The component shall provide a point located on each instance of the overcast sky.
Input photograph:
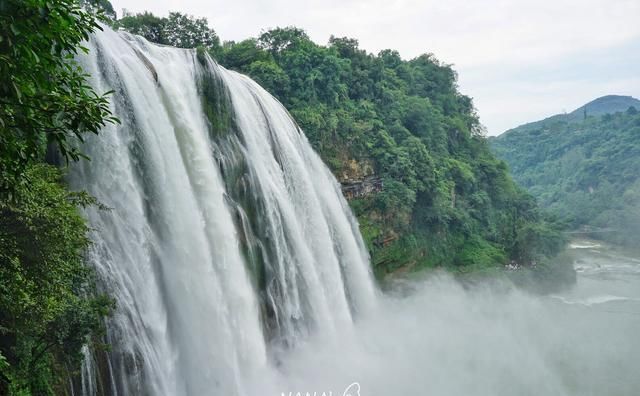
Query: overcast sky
(521, 60)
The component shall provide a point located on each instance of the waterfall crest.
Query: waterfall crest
(226, 234)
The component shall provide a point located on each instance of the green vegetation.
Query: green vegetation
(586, 171)
(48, 308)
(46, 314)
(178, 30)
(43, 92)
(446, 201)
(609, 104)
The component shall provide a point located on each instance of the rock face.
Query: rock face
(147, 63)
(352, 189)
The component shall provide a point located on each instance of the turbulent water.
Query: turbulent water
(237, 267)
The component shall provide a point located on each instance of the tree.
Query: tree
(270, 76)
(240, 55)
(47, 304)
(184, 31)
(146, 25)
(280, 39)
(103, 6)
(44, 94)
(178, 30)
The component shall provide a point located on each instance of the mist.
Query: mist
(434, 336)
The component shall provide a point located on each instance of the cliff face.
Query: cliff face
(365, 187)
(406, 145)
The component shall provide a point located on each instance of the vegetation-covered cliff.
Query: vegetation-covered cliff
(583, 166)
(444, 200)
(48, 305)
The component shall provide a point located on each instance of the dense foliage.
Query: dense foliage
(446, 199)
(587, 172)
(178, 30)
(46, 314)
(43, 92)
(47, 311)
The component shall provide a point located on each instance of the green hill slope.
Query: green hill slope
(584, 169)
(437, 196)
(609, 104)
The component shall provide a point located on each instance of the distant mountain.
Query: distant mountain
(605, 105)
(584, 169)
(609, 104)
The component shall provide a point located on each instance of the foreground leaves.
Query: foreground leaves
(44, 94)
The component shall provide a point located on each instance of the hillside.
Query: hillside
(585, 171)
(608, 104)
(438, 197)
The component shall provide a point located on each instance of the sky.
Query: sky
(520, 60)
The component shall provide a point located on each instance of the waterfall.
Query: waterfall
(224, 233)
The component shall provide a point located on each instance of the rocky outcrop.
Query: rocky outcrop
(352, 189)
(147, 63)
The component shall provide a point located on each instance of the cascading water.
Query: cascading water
(226, 233)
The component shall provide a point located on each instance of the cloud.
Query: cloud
(519, 103)
(499, 47)
(510, 95)
(460, 31)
